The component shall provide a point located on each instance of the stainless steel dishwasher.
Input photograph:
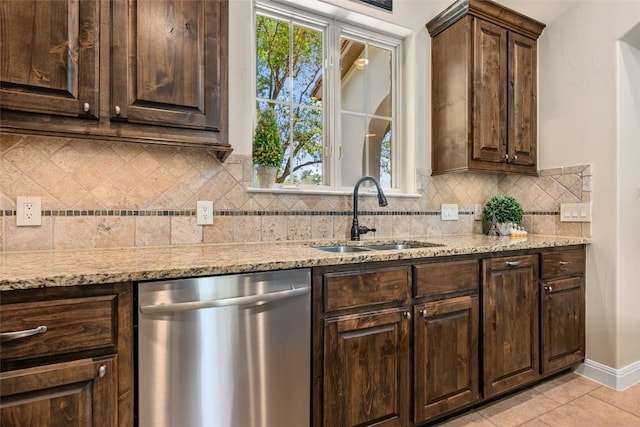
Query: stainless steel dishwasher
(225, 351)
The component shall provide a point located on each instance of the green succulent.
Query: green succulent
(502, 209)
(267, 146)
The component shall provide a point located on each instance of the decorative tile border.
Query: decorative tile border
(192, 212)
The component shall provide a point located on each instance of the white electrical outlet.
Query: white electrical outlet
(449, 212)
(204, 212)
(28, 211)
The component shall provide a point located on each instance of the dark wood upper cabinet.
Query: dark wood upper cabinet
(148, 71)
(166, 57)
(484, 91)
(523, 100)
(49, 56)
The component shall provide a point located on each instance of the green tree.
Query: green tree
(289, 68)
(267, 147)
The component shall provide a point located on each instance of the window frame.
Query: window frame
(395, 46)
(333, 29)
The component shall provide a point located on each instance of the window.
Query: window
(333, 88)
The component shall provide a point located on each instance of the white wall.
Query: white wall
(578, 124)
(629, 200)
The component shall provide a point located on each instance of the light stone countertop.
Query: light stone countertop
(37, 269)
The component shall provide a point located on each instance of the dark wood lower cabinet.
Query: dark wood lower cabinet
(445, 356)
(481, 327)
(562, 323)
(78, 369)
(511, 326)
(79, 393)
(366, 369)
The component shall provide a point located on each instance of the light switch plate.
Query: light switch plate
(477, 212)
(449, 212)
(575, 212)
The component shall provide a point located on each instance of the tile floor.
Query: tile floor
(566, 401)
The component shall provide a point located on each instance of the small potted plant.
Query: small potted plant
(501, 211)
(267, 148)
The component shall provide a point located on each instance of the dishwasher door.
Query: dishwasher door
(225, 351)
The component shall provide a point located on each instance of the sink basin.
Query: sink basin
(378, 247)
(343, 249)
(400, 246)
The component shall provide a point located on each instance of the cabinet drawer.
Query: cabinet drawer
(73, 324)
(445, 277)
(351, 289)
(563, 263)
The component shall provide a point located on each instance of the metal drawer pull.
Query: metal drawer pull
(225, 302)
(102, 371)
(407, 315)
(565, 262)
(423, 313)
(514, 263)
(549, 289)
(9, 336)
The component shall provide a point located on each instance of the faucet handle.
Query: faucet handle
(363, 229)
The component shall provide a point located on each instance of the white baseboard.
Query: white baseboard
(618, 379)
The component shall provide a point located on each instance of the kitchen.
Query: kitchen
(587, 127)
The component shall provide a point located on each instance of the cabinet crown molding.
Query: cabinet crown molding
(489, 11)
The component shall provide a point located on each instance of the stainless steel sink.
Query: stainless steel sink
(343, 249)
(377, 247)
(400, 246)
(393, 246)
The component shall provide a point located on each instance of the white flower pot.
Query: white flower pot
(266, 176)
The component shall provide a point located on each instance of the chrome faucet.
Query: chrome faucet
(357, 230)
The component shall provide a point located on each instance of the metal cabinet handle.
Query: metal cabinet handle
(407, 315)
(515, 157)
(9, 336)
(514, 263)
(117, 110)
(86, 107)
(102, 371)
(549, 289)
(565, 262)
(506, 158)
(423, 313)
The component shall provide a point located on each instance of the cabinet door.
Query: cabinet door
(510, 315)
(366, 369)
(169, 62)
(522, 100)
(563, 323)
(446, 356)
(49, 58)
(489, 92)
(79, 393)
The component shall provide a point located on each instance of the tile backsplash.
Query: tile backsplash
(110, 194)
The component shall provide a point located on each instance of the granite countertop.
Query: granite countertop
(36, 269)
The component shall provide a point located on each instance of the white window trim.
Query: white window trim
(357, 24)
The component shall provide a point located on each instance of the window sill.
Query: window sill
(326, 192)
